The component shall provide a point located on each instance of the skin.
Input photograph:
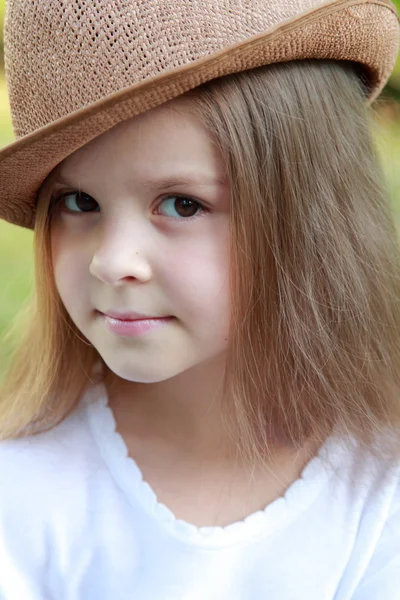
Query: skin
(134, 251)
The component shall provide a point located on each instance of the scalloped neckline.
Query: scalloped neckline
(276, 515)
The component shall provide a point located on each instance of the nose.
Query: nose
(121, 254)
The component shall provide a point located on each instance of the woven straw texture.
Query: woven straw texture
(75, 68)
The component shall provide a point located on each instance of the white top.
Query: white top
(77, 521)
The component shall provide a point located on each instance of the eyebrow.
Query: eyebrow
(169, 182)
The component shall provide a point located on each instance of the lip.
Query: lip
(131, 327)
(129, 316)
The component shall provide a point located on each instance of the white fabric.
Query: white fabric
(78, 522)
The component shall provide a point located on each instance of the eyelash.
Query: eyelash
(56, 201)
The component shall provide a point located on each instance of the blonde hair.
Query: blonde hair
(315, 337)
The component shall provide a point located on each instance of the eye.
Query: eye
(176, 207)
(77, 202)
(182, 206)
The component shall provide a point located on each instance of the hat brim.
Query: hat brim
(350, 34)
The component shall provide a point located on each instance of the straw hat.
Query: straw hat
(76, 68)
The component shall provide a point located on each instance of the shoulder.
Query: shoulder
(45, 485)
(360, 500)
(36, 470)
(370, 502)
(369, 473)
(40, 489)
(373, 483)
(380, 578)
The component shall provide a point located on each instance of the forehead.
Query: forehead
(168, 136)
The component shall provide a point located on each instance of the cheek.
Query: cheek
(199, 274)
(69, 272)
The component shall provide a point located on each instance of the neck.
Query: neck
(183, 412)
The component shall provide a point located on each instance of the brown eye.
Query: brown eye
(180, 206)
(78, 202)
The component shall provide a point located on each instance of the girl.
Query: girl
(204, 402)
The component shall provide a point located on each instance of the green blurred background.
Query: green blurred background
(16, 266)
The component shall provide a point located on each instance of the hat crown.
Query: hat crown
(62, 56)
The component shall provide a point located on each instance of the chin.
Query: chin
(145, 373)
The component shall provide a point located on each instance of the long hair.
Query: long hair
(315, 272)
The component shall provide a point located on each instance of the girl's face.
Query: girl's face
(141, 225)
